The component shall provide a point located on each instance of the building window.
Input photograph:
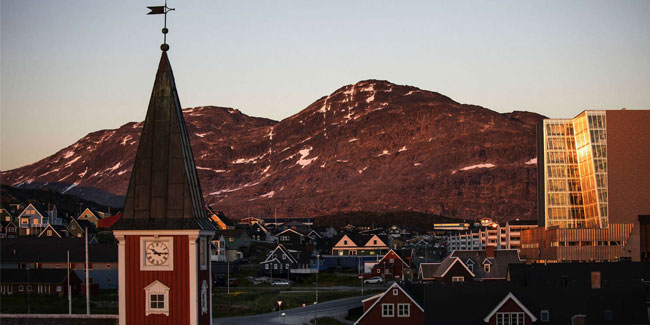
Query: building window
(284, 256)
(374, 242)
(486, 268)
(544, 316)
(510, 319)
(395, 292)
(204, 297)
(157, 298)
(275, 266)
(345, 242)
(387, 310)
(29, 288)
(470, 267)
(287, 266)
(387, 271)
(21, 288)
(266, 266)
(49, 233)
(231, 239)
(457, 279)
(391, 260)
(403, 310)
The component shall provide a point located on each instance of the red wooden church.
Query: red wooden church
(164, 231)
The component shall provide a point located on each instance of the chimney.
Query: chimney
(489, 251)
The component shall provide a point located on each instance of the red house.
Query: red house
(510, 311)
(390, 266)
(164, 231)
(393, 306)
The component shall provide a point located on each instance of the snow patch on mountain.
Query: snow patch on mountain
(352, 140)
(211, 169)
(70, 187)
(116, 166)
(303, 154)
(72, 162)
(51, 171)
(126, 139)
(486, 165)
(68, 154)
(201, 135)
(383, 153)
(533, 161)
(402, 149)
(246, 160)
(268, 195)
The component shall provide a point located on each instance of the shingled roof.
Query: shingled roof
(164, 190)
(498, 263)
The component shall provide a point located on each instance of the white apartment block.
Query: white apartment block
(499, 236)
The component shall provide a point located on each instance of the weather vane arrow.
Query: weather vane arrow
(162, 10)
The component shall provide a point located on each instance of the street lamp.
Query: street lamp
(280, 306)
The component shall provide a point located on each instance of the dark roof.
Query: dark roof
(428, 270)
(499, 263)
(470, 302)
(51, 249)
(164, 190)
(85, 223)
(445, 265)
(578, 274)
(33, 276)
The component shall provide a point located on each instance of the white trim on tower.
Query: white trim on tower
(121, 276)
(193, 271)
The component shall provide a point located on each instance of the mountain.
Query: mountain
(371, 146)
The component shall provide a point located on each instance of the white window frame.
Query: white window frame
(545, 316)
(157, 288)
(486, 267)
(395, 292)
(470, 266)
(275, 266)
(404, 310)
(203, 257)
(266, 266)
(49, 233)
(510, 318)
(457, 279)
(21, 288)
(387, 310)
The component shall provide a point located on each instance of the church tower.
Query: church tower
(164, 232)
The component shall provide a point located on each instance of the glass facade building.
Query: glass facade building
(575, 171)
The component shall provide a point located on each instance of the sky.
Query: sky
(71, 67)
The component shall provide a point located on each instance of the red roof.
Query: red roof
(108, 222)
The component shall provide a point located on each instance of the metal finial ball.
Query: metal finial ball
(165, 30)
(164, 47)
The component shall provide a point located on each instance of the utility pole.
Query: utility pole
(69, 293)
(317, 271)
(87, 284)
(228, 273)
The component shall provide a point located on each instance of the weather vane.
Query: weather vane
(162, 10)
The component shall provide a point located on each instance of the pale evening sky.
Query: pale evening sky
(72, 67)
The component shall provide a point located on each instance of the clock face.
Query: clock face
(157, 253)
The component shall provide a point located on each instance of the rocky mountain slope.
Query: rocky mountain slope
(371, 146)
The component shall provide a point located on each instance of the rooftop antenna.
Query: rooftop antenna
(162, 10)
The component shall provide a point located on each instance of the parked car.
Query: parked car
(374, 280)
(280, 283)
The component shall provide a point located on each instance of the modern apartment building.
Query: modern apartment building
(500, 236)
(593, 188)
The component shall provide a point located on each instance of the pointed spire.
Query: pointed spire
(164, 190)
